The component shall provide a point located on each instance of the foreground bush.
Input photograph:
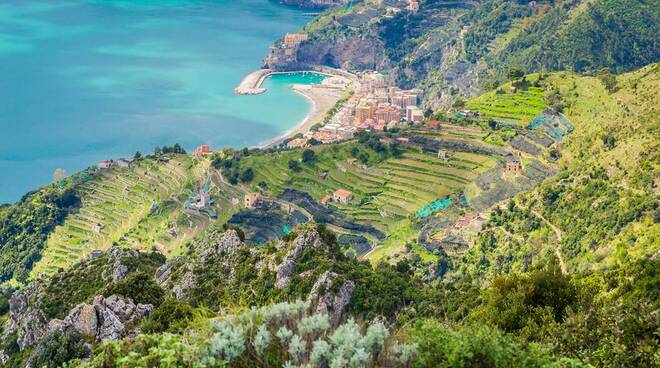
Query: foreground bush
(281, 335)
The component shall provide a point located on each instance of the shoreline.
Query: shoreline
(303, 127)
(322, 98)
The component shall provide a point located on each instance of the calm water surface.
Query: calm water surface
(84, 80)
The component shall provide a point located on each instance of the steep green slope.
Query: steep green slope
(601, 209)
(24, 228)
(452, 47)
(597, 220)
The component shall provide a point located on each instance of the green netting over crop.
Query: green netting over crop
(552, 123)
(433, 207)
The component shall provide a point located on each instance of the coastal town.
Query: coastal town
(375, 104)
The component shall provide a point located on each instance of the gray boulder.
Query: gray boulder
(105, 319)
(119, 269)
(228, 244)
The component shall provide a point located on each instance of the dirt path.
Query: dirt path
(554, 228)
(557, 232)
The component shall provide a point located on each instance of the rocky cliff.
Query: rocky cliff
(347, 52)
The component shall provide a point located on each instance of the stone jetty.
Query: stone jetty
(251, 84)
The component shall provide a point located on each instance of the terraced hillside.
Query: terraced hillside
(386, 192)
(507, 104)
(132, 206)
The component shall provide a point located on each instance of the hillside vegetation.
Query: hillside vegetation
(464, 48)
(468, 241)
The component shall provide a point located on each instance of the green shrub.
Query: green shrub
(172, 315)
(140, 286)
(58, 348)
(481, 346)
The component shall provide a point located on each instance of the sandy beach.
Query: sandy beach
(322, 99)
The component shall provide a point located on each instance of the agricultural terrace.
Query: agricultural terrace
(120, 200)
(517, 108)
(385, 193)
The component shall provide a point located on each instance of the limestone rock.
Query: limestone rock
(119, 272)
(118, 254)
(228, 244)
(106, 319)
(324, 300)
(285, 269)
(26, 320)
(83, 318)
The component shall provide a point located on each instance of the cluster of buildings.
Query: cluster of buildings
(375, 105)
(341, 196)
(106, 164)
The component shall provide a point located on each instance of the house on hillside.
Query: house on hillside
(104, 164)
(202, 150)
(342, 196)
(513, 165)
(124, 162)
(97, 228)
(325, 200)
(442, 154)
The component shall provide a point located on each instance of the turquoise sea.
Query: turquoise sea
(85, 80)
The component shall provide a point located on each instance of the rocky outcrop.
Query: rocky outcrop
(27, 317)
(28, 322)
(177, 274)
(347, 52)
(227, 246)
(105, 319)
(330, 297)
(288, 266)
(118, 255)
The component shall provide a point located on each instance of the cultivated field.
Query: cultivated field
(386, 195)
(517, 108)
(117, 208)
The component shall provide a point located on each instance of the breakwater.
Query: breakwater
(251, 84)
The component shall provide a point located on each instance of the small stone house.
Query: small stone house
(342, 196)
(513, 165)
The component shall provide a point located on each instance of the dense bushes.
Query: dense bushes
(516, 301)
(279, 335)
(140, 286)
(229, 163)
(58, 348)
(172, 315)
(478, 346)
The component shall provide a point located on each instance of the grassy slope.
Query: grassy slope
(630, 116)
(518, 107)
